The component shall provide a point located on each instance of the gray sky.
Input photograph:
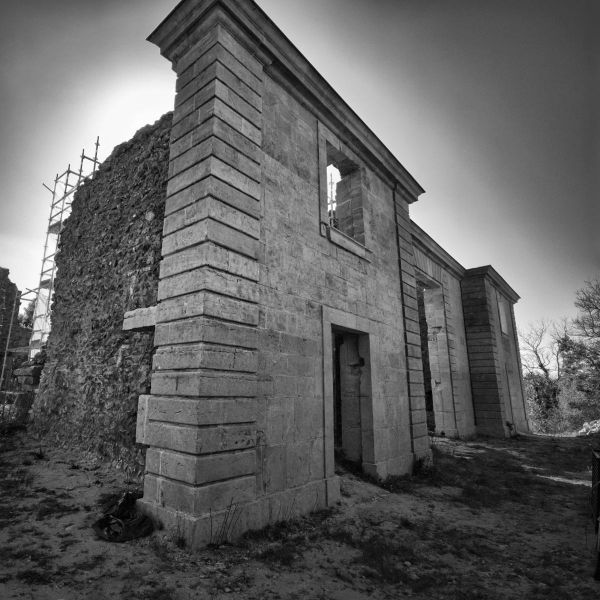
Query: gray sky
(490, 104)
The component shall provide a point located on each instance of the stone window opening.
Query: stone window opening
(344, 194)
(333, 178)
(503, 311)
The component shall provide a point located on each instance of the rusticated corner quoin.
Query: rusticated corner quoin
(199, 420)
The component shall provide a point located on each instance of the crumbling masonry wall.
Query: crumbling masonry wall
(9, 312)
(108, 264)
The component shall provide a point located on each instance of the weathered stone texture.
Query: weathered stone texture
(281, 335)
(108, 265)
(439, 280)
(204, 386)
(9, 325)
(494, 362)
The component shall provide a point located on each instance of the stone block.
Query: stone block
(210, 208)
(209, 304)
(421, 446)
(203, 384)
(199, 280)
(195, 51)
(151, 489)
(202, 232)
(213, 146)
(221, 110)
(139, 318)
(209, 254)
(203, 329)
(205, 356)
(182, 180)
(218, 89)
(153, 460)
(217, 53)
(201, 412)
(205, 440)
(197, 470)
(217, 70)
(211, 186)
(273, 469)
(239, 52)
(142, 419)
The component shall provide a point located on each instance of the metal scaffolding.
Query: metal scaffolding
(63, 189)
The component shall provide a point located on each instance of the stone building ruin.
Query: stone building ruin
(242, 289)
(13, 336)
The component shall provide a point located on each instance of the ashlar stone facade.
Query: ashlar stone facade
(288, 328)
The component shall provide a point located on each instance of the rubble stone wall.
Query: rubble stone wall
(8, 312)
(107, 265)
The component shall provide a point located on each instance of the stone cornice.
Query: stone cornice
(286, 64)
(493, 275)
(432, 249)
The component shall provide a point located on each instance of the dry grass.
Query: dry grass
(490, 520)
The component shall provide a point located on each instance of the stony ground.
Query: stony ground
(492, 520)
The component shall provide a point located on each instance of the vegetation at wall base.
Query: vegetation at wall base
(562, 368)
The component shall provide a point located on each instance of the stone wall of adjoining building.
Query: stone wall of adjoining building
(439, 277)
(108, 264)
(9, 312)
(494, 360)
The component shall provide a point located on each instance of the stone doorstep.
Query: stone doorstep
(232, 522)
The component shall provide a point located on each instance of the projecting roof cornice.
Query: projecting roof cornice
(285, 63)
(498, 281)
(432, 249)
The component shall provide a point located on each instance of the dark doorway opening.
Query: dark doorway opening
(424, 330)
(351, 392)
(338, 340)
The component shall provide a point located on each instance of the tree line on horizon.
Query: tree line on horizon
(561, 367)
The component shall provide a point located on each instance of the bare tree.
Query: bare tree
(540, 348)
(587, 302)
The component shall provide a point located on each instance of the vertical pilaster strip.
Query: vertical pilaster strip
(450, 334)
(515, 341)
(200, 419)
(478, 298)
(414, 363)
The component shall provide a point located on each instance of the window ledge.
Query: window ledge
(344, 241)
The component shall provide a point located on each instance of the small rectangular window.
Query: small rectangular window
(344, 194)
(504, 310)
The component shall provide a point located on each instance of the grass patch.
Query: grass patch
(283, 553)
(283, 542)
(488, 480)
(146, 589)
(34, 577)
(387, 557)
(14, 554)
(14, 480)
(51, 507)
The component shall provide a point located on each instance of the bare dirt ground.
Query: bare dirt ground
(493, 519)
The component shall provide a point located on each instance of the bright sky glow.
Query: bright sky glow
(492, 106)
